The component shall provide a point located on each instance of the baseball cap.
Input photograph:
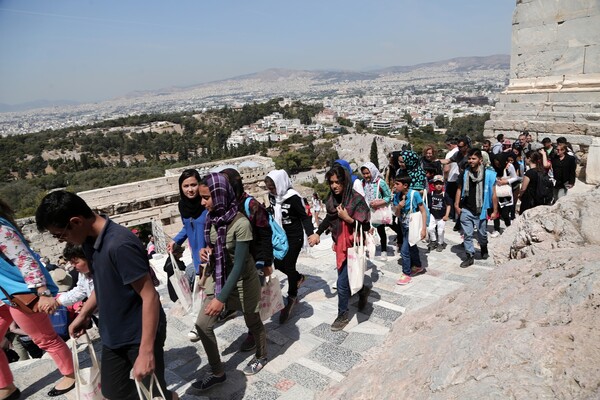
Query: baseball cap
(438, 178)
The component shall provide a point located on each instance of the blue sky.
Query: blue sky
(91, 50)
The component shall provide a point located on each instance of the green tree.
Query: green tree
(374, 156)
(344, 121)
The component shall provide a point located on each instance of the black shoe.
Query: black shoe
(432, 246)
(249, 343)
(14, 395)
(441, 247)
(340, 322)
(301, 280)
(209, 381)
(363, 297)
(468, 261)
(456, 228)
(57, 392)
(226, 315)
(484, 252)
(287, 310)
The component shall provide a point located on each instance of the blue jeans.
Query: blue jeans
(410, 254)
(469, 221)
(343, 288)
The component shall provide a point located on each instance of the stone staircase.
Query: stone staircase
(305, 356)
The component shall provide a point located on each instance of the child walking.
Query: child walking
(407, 201)
(439, 208)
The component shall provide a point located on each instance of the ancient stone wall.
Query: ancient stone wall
(554, 87)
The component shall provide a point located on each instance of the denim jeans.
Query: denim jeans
(410, 254)
(469, 222)
(343, 288)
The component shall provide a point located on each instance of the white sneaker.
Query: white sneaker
(193, 336)
(383, 257)
(494, 234)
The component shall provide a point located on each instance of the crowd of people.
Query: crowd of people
(231, 238)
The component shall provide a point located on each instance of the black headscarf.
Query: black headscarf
(189, 208)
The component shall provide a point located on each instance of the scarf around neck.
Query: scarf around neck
(224, 210)
(283, 189)
(479, 180)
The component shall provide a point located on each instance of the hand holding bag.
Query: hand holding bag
(415, 224)
(357, 261)
(370, 244)
(271, 299)
(146, 393)
(197, 294)
(87, 380)
(381, 215)
(181, 285)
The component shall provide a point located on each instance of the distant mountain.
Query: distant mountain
(36, 104)
(497, 61)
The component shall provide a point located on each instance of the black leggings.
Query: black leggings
(382, 237)
(288, 265)
(505, 216)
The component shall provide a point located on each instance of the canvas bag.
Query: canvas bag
(271, 299)
(181, 285)
(381, 215)
(147, 393)
(87, 380)
(504, 190)
(357, 261)
(197, 294)
(371, 244)
(415, 224)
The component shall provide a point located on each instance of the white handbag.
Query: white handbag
(147, 393)
(382, 215)
(87, 380)
(181, 285)
(357, 261)
(271, 299)
(415, 224)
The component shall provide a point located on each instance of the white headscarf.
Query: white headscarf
(371, 187)
(283, 189)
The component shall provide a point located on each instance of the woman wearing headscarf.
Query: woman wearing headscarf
(21, 271)
(356, 183)
(193, 216)
(389, 172)
(231, 275)
(377, 195)
(262, 245)
(289, 212)
(412, 165)
(344, 208)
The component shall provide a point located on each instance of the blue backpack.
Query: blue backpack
(278, 238)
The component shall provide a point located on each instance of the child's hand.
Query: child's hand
(445, 218)
(423, 233)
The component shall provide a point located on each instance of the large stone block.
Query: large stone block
(591, 63)
(592, 169)
(580, 32)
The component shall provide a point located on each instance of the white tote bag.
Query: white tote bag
(415, 224)
(357, 261)
(197, 295)
(371, 244)
(271, 299)
(147, 393)
(181, 285)
(87, 380)
(381, 215)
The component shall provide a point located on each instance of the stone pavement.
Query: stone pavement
(305, 356)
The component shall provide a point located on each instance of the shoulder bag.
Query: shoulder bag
(415, 223)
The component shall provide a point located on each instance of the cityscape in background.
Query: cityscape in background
(379, 99)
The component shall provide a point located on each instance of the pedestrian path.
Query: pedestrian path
(305, 356)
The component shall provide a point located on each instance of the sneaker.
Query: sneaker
(432, 246)
(301, 280)
(417, 270)
(249, 343)
(340, 322)
(468, 261)
(441, 247)
(284, 315)
(383, 256)
(209, 381)
(363, 297)
(404, 280)
(193, 335)
(484, 252)
(255, 365)
(494, 234)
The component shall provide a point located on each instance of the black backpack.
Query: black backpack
(544, 190)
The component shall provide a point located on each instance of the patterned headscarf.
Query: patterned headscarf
(224, 210)
(372, 185)
(414, 169)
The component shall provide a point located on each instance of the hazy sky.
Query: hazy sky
(90, 50)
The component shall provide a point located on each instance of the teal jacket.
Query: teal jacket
(488, 190)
